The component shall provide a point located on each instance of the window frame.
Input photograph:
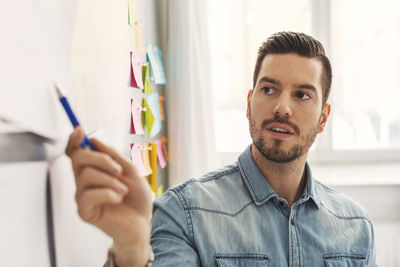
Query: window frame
(324, 153)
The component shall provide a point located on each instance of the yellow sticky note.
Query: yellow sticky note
(146, 159)
(153, 163)
(147, 117)
(146, 79)
(153, 196)
(131, 13)
(160, 190)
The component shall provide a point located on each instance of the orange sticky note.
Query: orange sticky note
(164, 141)
(139, 41)
(160, 101)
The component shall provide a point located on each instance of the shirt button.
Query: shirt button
(291, 222)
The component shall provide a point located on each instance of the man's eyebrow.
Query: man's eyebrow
(270, 80)
(306, 86)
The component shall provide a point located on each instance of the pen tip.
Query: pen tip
(58, 91)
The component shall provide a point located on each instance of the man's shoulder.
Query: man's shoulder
(339, 204)
(222, 190)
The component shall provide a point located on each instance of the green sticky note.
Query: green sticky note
(131, 13)
(148, 117)
(146, 79)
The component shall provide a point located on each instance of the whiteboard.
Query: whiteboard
(34, 51)
(23, 207)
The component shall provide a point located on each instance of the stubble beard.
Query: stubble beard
(274, 152)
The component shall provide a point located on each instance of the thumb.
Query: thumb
(74, 141)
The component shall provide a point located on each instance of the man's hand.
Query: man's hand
(112, 196)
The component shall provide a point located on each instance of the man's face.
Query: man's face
(285, 108)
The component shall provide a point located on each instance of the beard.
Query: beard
(273, 151)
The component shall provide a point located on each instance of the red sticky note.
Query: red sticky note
(136, 70)
(136, 115)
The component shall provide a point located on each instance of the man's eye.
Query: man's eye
(268, 90)
(302, 96)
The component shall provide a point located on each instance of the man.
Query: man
(263, 210)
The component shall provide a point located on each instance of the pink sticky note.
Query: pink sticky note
(132, 131)
(132, 81)
(136, 70)
(136, 113)
(160, 154)
(136, 157)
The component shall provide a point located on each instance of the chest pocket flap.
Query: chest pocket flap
(345, 261)
(241, 260)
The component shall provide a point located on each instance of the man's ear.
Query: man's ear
(249, 94)
(326, 110)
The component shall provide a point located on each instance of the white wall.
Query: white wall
(84, 46)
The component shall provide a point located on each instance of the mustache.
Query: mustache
(282, 120)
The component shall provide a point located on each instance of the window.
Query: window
(365, 122)
(366, 61)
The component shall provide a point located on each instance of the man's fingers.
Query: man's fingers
(125, 164)
(74, 141)
(91, 203)
(85, 157)
(93, 178)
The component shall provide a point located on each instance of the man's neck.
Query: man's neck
(287, 179)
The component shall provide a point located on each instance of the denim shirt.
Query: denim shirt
(232, 217)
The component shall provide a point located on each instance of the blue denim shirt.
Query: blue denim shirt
(232, 217)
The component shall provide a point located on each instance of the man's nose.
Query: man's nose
(282, 107)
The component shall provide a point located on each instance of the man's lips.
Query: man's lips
(280, 128)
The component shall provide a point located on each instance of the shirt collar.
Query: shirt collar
(260, 190)
(310, 190)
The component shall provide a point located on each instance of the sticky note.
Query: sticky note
(136, 115)
(146, 79)
(136, 157)
(146, 158)
(161, 99)
(132, 129)
(131, 13)
(155, 57)
(160, 190)
(152, 178)
(152, 100)
(164, 141)
(160, 154)
(136, 70)
(139, 42)
(147, 117)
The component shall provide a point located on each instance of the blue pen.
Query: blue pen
(86, 141)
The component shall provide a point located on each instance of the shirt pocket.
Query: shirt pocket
(241, 260)
(345, 260)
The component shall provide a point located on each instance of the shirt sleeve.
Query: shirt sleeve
(372, 259)
(172, 232)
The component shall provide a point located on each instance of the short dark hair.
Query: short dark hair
(301, 44)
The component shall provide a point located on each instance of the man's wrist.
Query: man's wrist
(111, 259)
